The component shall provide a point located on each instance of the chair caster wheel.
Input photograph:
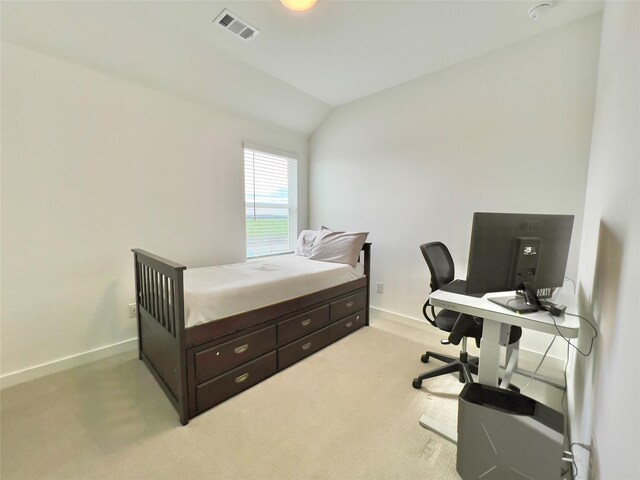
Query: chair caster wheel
(417, 383)
(425, 358)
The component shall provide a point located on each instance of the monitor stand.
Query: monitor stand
(530, 295)
(460, 287)
(527, 302)
(515, 303)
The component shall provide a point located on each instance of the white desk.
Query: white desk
(495, 334)
(497, 322)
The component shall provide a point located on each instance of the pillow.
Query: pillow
(338, 247)
(305, 242)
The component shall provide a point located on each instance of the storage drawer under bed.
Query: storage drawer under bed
(218, 359)
(345, 327)
(301, 325)
(225, 386)
(347, 306)
(303, 348)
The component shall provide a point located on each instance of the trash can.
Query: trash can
(506, 435)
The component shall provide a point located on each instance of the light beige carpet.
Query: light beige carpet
(347, 412)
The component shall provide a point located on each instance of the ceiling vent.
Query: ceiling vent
(238, 27)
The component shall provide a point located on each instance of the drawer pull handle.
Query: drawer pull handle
(306, 346)
(350, 304)
(306, 322)
(242, 377)
(348, 325)
(241, 348)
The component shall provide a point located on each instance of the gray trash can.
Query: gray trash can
(507, 435)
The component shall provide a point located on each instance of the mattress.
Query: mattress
(213, 293)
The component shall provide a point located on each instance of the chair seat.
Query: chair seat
(446, 319)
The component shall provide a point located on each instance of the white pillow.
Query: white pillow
(305, 242)
(338, 247)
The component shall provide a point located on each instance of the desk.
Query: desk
(495, 334)
(497, 322)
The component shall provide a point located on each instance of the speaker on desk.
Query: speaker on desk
(507, 435)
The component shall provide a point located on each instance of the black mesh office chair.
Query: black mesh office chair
(460, 326)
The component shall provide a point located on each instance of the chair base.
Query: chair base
(465, 366)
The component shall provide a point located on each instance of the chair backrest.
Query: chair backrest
(440, 264)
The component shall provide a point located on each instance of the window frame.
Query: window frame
(291, 207)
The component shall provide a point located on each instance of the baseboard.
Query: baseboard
(528, 356)
(397, 316)
(31, 373)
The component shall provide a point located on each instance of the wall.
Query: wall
(93, 166)
(129, 40)
(508, 131)
(604, 388)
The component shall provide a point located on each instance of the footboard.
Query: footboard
(161, 331)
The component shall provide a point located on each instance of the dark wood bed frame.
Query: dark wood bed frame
(204, 365)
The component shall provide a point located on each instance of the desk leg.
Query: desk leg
(494, 335)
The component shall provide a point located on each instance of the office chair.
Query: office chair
(460, 326)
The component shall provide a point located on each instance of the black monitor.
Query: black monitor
(515, 251)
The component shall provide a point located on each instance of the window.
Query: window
(271, 201)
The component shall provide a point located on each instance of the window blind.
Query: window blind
(271, 202)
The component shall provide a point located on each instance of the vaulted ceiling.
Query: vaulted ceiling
(298, 67)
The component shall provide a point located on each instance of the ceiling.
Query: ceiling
(340, 51)
(300, 66)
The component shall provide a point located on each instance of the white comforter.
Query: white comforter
(216, 292)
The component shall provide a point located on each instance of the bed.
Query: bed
(208, 334)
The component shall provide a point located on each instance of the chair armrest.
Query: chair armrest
(426, 305)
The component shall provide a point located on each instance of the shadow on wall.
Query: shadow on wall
(604, 295)
(602, 311)
(116, 402)
(109, 319)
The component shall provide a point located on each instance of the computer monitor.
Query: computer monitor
(515, 251)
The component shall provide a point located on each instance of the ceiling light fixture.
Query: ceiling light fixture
(298, 5)
(539, 11)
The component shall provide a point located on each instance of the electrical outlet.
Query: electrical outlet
(380, 287)
(133, 310)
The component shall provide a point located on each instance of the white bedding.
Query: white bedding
(216, 292)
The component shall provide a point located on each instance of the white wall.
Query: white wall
(93, 166)
(508, 131)
(129, 40)
(605, 387)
